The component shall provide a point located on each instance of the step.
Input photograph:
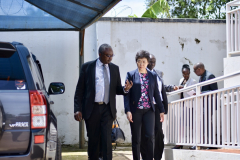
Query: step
(213, 154)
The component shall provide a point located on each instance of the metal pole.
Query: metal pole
(81, 61)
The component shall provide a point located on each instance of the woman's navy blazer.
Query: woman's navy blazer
(132, 98)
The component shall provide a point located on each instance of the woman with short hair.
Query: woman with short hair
(186, 81)
(139, 106)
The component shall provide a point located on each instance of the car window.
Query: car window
(39, 75)
(36, 77)
(12, 76)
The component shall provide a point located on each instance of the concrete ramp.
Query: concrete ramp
(213, 154)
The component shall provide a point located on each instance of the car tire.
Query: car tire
(58, 151)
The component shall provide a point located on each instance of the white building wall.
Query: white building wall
(231, 64)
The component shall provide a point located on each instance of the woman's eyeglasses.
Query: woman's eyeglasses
(141, 62)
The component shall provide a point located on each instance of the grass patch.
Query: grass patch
(74, 157)
(73, 148)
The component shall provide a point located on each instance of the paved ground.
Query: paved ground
(121, 153)
(117, 155)
(73, 153)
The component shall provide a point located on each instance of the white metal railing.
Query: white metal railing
(233, 28)
(210, 119)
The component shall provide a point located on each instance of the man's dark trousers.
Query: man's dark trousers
(100, 123)
(159, 143)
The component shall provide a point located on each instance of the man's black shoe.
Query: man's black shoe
(192, 148)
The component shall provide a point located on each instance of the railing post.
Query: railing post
(197, 109)
(238, 26)
(228, 30)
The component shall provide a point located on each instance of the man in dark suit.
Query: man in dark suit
(151, 65)
(95, 100)
(159, 144)
(205, 75)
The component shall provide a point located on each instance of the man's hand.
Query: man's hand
(195, 93)
(129, 116)
(128, 85)
(161, 117)
(175, 88)
(78, 116)
(180, 87)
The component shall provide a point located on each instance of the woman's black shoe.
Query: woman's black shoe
(177, 147)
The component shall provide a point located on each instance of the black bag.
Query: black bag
(117, 134)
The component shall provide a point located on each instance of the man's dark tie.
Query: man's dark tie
(106, 85)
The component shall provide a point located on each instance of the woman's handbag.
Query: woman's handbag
(117, 134)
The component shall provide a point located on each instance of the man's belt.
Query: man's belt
(100, 103)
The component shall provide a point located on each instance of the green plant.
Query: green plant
(133, 16)
(159, 8)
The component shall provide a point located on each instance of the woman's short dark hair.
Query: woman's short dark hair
(186, 66)
(142, 54)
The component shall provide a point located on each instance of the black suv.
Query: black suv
(28, 127)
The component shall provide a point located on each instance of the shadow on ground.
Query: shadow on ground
(72, 152)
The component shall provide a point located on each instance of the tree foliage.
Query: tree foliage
(158, 8)
(201, 9)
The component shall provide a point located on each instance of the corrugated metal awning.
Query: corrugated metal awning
(77, 13)
(31, 15)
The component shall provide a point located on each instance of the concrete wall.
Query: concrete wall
(173, 42)
(231, 65)
(58, 54)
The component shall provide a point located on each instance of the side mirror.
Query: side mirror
(56, 88)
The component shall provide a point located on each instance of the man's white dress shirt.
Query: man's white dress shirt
(99, 81)
(159, 86)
